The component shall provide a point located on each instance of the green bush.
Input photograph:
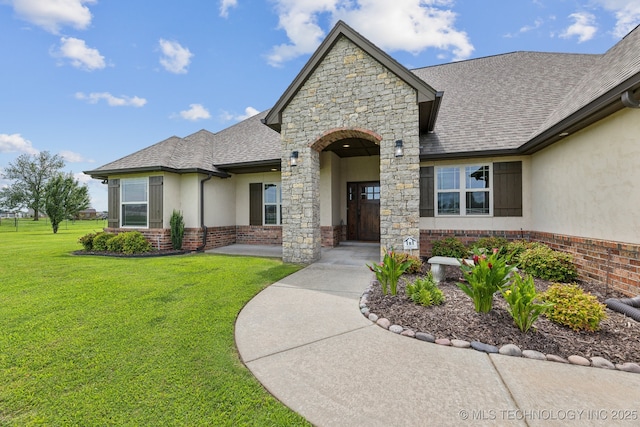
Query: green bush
(523, 305)
(488, 244)
(450, 247)
(100, 241)
(415, 263)
(116, 243)
(87, 241)
(177, 229)
(131, 242)
(425, 291)
(574, 308)
(543, 262)
(515, 248)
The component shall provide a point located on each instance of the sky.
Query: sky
(96, 80)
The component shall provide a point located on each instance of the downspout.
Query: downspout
(204, 227)
(628, 100)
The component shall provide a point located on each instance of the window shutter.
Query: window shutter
(507, 189)
(113, 220)
(255, 203)
(155, 202)
(426, 191)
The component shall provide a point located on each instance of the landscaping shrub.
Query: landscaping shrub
(449, 247)
(574, 308)
(116, 243)
(487, 275)
(87, 241)
(425, 291)
(543, 262)
(131, 242)
(488, 244)
(415, 263)
(389, 271)
(515, 248)
(100, 241)
(523, 302)
(177, 229)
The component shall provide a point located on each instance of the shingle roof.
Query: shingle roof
(495, 103)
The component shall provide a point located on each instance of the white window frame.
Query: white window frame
(277, 203)
(462, 190)
(123, 183)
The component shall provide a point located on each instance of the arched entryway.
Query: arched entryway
(349, 185)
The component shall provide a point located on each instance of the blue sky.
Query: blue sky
(95, 80)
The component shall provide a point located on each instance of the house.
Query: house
(544, 146)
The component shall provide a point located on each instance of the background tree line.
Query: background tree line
(40, 185)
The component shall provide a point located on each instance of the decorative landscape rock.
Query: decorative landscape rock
(532, 354)
(373, 317)
(486, 348)
(383, 323)
(460, 343)
(408, 333)
(601, 362)
(443, 341)
(510, 350)
(554, 358)
(365, 311)
(629, 367)
(578, 360)
(396, 329)
(422, 336)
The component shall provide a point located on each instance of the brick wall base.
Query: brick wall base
(259, 235)
(332, 235)
(612, 264)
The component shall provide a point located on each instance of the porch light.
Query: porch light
(399, 149)
(294, 158)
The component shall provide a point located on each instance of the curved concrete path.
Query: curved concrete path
(305, 340)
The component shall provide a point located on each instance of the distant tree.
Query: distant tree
(30, 175)
(64, 198)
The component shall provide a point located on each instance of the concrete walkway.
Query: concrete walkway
(305, 340)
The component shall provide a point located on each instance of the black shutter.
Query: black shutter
(155, 202)
(507, 189)
(426, 191)
(255, 203)
(113, 217)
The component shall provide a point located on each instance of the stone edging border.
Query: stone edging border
(506, 350)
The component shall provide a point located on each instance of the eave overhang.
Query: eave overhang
(105, 173)
(273, 165)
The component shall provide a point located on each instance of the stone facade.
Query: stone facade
(349, 90)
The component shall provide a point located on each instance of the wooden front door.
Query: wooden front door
(363, 211)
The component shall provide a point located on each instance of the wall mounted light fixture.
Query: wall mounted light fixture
(294, 158)
(399, 148)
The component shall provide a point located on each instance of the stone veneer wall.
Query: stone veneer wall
(349, 91)
(609, 263)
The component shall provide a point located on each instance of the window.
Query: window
(463, 190)
(272, 204)
(134, 205)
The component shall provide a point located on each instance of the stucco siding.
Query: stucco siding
(586, 185)
(219, 202)
(242, 182)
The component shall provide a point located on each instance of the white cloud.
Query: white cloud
(194, 113)
(15, 143)
(409, 25)
(627, 13)
(583, 27)
(225, 5)
(226, 116)
(53, 14)
(175, 58)
(72, 157)
(79, 54)
(112, 101)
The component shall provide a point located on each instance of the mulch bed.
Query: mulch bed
(617, 341)
(142, 255)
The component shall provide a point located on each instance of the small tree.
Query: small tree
(177, 229)
(30, 175)
(64, 198)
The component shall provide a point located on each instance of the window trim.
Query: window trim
(123, 183)
(278, 203)
(462, 191)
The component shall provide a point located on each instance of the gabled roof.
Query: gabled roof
(425, 93)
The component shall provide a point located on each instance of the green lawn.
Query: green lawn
(114, 341)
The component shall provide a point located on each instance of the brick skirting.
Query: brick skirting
(612, 264)
(259, 235)
(332, 235)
